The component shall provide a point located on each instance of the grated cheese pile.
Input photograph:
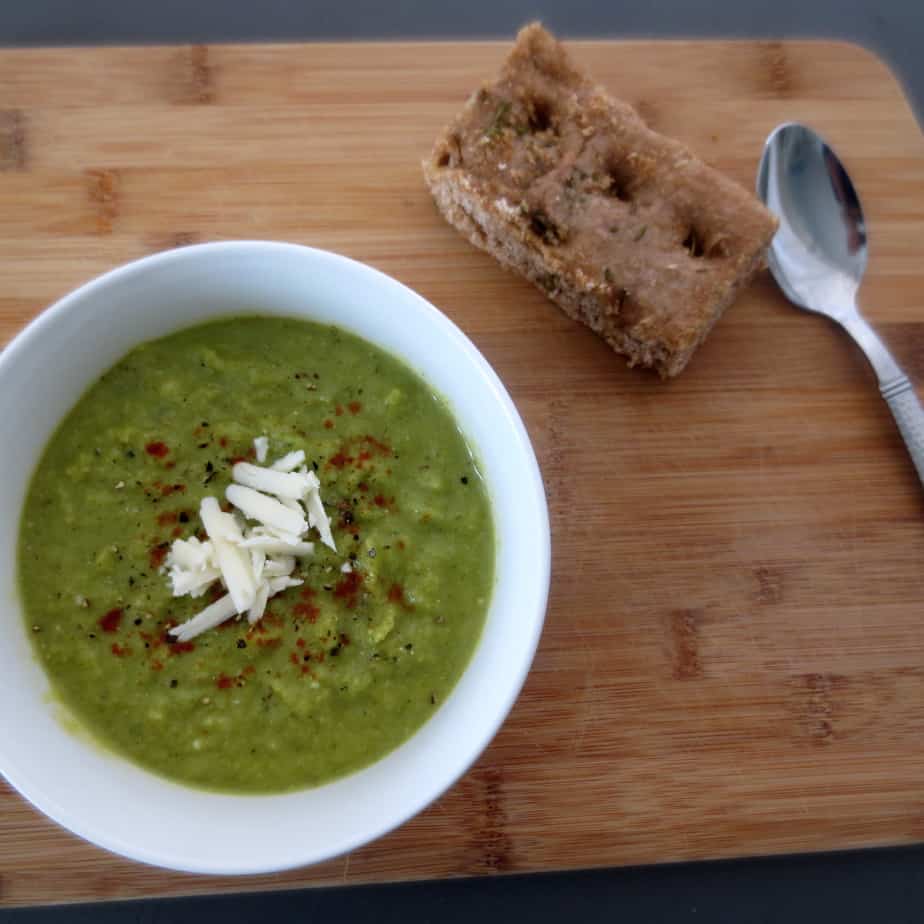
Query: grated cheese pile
(254, 562)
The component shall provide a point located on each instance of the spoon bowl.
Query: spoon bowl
(819, 254)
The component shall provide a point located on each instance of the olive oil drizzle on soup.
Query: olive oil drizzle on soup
(342, 669)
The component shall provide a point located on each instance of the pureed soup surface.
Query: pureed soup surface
(340, 670)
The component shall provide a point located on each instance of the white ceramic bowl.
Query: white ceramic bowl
(128, 810)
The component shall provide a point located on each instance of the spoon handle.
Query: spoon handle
(894, 385)
(908, 414)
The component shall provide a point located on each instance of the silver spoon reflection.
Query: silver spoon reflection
(819, 254)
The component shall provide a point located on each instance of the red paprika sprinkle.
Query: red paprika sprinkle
(157, 449)
(157, 555)
(111, 621)
(348, 588)
(157, 665)
(223, 442)
(378, 445)
(181, 647)
(224, 682)
(167, 517)
(396, 595)
(176, 532)
(355, 407)
(119, 651)
(328, 424)
(293, 657)
(340, 460)
(300, 643)
(154, 641)
(338, 410)
(167, 489)
(307, 610)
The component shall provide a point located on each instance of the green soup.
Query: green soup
(340, 670)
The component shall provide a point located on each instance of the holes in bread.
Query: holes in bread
(618, 180)
(618, 303)
(539, 115)
(692, 243)
(618, 298)
(450, 155)
(545, 228)
(708, 246)
(615, 296)
(630, 311)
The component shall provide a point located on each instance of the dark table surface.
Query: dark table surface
(881, 885)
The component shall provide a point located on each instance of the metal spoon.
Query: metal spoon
(819, 254)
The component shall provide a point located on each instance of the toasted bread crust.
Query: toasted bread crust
(624, 229)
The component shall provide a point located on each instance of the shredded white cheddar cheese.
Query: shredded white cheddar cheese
(193, 583)
(210, 617)
(218, 525)
(282, 484)
(266, 509)
(277, 543)
(255, 613)
(254, 562)
(289, 462)
(317, 518)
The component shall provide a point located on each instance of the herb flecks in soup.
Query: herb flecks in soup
(340, 669)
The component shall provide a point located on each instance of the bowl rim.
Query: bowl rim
(33, 333)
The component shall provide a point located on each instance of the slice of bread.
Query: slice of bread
(624, 229)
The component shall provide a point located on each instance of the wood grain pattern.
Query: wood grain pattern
(733, 662)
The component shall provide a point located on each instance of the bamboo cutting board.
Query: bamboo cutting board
(733, 662)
